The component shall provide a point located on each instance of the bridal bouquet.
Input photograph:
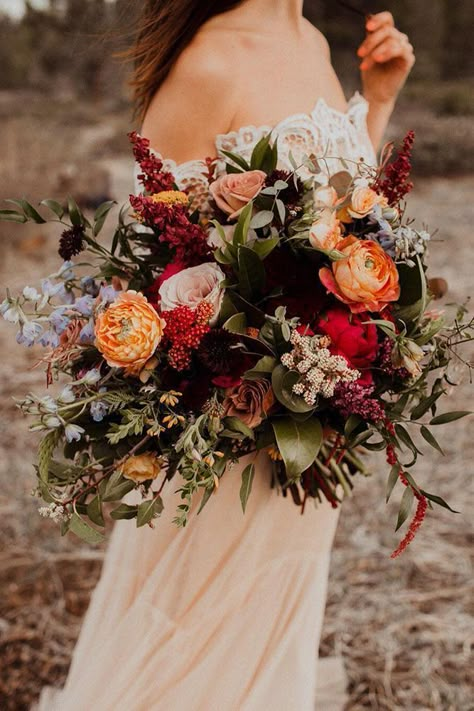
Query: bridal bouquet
(280, 314)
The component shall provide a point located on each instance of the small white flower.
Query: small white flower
(73, 432)
(31, 294)
(66, 395)
(48, 403)
(92, 377)
(11, 312)
(51, 422)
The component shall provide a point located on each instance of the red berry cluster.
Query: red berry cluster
(187, 241)
(184, 330)
(397, 184)
(153, 178)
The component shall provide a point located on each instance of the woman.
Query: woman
(226, 615)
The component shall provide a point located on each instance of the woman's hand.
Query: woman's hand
(387, 59)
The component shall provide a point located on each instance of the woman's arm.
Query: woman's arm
(387, 59)
(188, 110)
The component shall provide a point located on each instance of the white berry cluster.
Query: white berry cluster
(54, 512)
(320, 371)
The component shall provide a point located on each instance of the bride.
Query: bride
(226, 614)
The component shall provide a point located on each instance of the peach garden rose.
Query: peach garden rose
(363, 201)
(366, 279)
(128, 332)
(234, 191)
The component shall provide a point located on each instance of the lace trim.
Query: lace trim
(324, 131)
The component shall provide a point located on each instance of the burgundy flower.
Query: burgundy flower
(397, 184)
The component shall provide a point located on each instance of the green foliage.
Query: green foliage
(247, 480)
(298, 443)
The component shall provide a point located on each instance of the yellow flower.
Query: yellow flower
(129, 332)
(274, 454)
(171, 197)
(170, 398)
(142, 467)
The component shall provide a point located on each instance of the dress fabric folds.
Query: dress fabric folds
(224, 615)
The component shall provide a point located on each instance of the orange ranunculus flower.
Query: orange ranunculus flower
(142, 467)
(129, 332)
(325, 233)
(363, 201)
(366, 280)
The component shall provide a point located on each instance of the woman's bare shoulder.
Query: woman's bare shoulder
(195, 103)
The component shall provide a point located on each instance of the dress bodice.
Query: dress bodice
(324, 131)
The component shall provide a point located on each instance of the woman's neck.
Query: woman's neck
(263, 16)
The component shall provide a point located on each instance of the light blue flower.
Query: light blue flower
(29, 333)
(49, 338)
(98, 409)
(107, 295)
(84, 304)
(73, 432)
(11, 311)
(89, 286)
(87, 334)
(58, 320)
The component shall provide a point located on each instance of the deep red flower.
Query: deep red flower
(397, 184)
(350, 336)
(153, 178)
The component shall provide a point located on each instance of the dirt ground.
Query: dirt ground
(403, 627)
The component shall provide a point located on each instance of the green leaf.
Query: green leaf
(243, 225)
(12, 216)
(283, 381)
(438, 500)
(94, 511)
(82, 530)
(236, 323)
(298, 443)
(251, 273)
(430, 438)
(264, 366)
(206, 497)
(353, 423)
(404, 437)
(263, 247)
(261, 219)
(31, 213)
(246, 487)
(392, 480)
(54, 206)
(116, 487)
(405, 506)
(449, 417)
(259, 153)
(235, 425)
(149, 510)
(76, 216)
(104, 209)
(425, 405)
(237, 159)
(124, 511)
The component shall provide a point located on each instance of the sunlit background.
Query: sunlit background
(402, 627)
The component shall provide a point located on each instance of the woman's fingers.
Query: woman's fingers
(391, 48)
(381, 18)
(375, 38)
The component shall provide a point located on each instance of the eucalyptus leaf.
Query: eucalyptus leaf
(124, 511)
(246, 487)
(82, 530)
(94, 511)
(236, 323)
(149, 510)
(261, 219)
(405, 506)
(264, 366)
(449, 417)
(430, 438)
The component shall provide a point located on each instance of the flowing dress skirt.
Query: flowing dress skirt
(224, 615)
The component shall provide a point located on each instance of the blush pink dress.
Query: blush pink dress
(226, 614)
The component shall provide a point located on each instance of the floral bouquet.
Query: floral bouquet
(284, 314)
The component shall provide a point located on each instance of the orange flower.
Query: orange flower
(363, 201)
(129, 332)
(142, 467)
(366, 280)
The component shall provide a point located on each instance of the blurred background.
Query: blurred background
(402, 627)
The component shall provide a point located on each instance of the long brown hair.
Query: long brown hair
(165, 28)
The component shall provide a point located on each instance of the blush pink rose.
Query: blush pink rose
(234, 191)
(191, 286)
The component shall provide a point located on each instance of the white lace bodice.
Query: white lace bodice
(322, 132)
